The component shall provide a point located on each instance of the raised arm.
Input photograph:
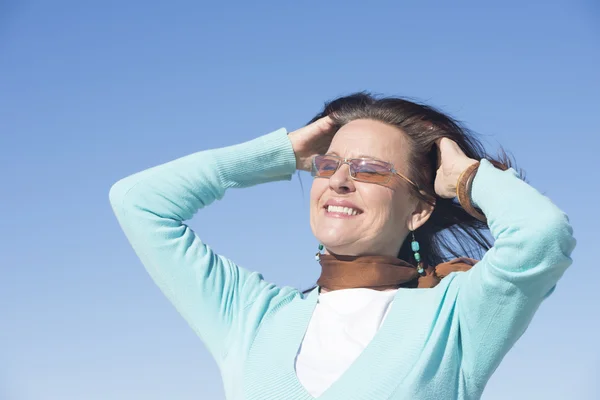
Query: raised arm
(499, 296)
(209, 291)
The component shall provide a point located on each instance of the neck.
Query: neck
(371, 272)
(382, 272)
(390, 251)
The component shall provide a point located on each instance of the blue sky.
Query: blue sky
(92, 92)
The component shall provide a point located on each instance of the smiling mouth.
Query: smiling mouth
(342, 210)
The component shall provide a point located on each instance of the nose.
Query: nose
(341, 182)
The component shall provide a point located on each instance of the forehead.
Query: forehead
(367, 138)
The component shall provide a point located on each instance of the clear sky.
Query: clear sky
(93, 91)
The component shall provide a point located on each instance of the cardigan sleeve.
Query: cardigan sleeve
(210, 291)
(498, 297)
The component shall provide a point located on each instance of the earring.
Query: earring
(414, 245)
(318, 255)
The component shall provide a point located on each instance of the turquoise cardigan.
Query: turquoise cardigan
(440, 343)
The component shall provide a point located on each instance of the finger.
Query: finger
(439, 152)
(327, 126)
(327, 120)
(446, 143)
(465, 260)
(449, 146)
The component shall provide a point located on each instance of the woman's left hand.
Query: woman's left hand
(453, 161)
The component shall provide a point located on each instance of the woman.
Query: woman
(388, 319)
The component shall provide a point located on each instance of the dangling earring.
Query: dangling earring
(414, 245)
(318, 255)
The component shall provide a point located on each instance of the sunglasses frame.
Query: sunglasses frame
(391, 170)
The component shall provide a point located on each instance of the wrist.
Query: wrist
(463, 191)
(465, 169)
(301, 163)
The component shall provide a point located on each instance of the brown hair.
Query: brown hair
(450, 232)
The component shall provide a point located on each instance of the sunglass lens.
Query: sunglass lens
(371, 171)
(326, 166)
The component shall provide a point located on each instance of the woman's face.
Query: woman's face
(384, 214)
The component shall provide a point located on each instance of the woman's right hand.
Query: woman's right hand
(311, 140)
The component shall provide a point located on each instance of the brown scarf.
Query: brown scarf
(382, 272)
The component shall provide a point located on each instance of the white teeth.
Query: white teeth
(342, 210)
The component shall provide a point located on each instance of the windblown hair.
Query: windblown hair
(450, 232)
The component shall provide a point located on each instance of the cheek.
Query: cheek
(391, 208)
(402, 206)
(377, 198)
(318, 187)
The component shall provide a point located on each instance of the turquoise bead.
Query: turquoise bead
(414, 245)
(420, 270)
(320, 247)
(417, 257)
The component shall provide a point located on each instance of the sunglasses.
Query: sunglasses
(362, 170)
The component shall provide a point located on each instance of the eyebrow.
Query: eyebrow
(333, 153)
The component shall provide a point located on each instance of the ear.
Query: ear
(419, 216)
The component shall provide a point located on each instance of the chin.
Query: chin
(338, 233)
(339, 241)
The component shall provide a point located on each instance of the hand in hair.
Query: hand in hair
(311, 140)
(453, 162)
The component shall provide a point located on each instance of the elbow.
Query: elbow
(565, 241)
(117, 194)
(551, 242)
(556, 232)
(531, 256)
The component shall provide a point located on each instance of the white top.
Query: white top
(342, 325)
